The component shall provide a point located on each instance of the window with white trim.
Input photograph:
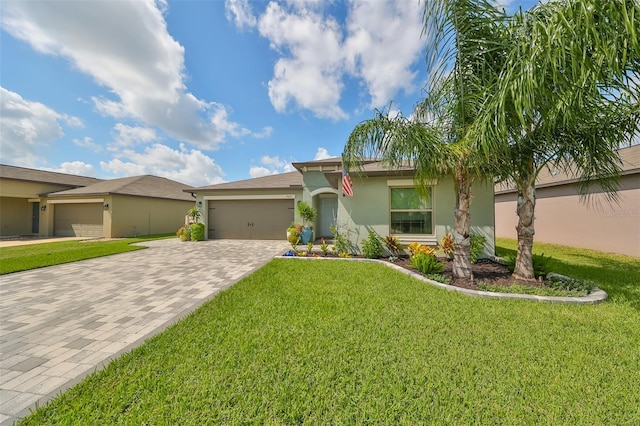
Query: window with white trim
(411, 211)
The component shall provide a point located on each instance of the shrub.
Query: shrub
(540, 263)
(426, 263)
(197, 231)
(477, 246)
(439, 278)
(562, 282)
(392, 244)
(446, 245)
(295, 231)
(324, 247)
(372, 247)
(183, 233)
(342, 245)
(417, 248)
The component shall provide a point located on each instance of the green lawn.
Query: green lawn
(333, 342)
(22, 258)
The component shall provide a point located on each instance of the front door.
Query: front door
(328, 213)
(35, 218)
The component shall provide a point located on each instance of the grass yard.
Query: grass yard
(333, 342)
(22, 258)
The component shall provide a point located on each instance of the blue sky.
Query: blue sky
(200, 92)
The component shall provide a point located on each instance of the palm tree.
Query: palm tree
(566, 98)
(434, 139)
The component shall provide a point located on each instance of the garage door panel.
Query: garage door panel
(249, 219)
(227, 220)
(272, 220)
(78, 220)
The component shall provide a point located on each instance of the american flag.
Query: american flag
(347, 184)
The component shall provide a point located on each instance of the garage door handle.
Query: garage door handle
(250, 224)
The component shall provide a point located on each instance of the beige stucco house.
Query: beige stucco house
(384, 201)
(21, 201)
(47, 204)
(561, 217)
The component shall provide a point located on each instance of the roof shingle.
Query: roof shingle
(141, 186)
(33, 175)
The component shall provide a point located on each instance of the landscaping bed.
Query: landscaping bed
(484, 271)
(487, 275)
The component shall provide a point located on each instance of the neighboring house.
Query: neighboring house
(384, 201)
(21, 204)
(562, 218)
(35, 202)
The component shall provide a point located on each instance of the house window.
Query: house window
(411, 212)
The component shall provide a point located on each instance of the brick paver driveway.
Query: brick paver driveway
(58, 324)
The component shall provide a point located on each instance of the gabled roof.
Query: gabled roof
(42, 176)
(331, 167)
(141, 186)
(290, 180)
(630, 157)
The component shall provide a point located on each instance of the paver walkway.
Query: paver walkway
(61, 323)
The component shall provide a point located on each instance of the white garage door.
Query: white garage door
(250, 219)
(78, 220)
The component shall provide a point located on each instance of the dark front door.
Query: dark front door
(35, 218)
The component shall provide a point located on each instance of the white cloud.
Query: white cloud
(239, 11)
(271, 166)
(75, 168)
(25, 126)
(87, 142)
(264, 133)
(124, 46)
(125, 136)
(379, 44)
(383, 45)
(258, 171)
(188, 166)
(322, 154)
(311, 76)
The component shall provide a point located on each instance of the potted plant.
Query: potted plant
(194, 214)
(294, 231)
(308, 215)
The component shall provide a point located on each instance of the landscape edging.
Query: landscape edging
(596, 295)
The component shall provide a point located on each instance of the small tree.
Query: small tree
(307, 213)
(194, 214)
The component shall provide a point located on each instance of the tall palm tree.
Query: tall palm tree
(468, 36)
(566, 98)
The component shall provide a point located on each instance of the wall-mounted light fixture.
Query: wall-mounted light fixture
(199, 203)
(43, 208)
(106, 207)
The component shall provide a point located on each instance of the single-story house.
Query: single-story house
(383, 200)
(561, 217)
(21, 203)
(47, 204)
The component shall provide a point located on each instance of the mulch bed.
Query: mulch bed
(484, 270)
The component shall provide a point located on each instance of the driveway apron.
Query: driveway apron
(61, 323)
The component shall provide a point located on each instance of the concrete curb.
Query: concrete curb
(596, 296)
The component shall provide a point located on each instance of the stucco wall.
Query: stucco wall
(15, 216)
(369, 207)
(131, 216)
(16, 210)
(561, 218)
(22, 189)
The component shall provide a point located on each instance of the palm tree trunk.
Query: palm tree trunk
(525, 209)
(462, 230)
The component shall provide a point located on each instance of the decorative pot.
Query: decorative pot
(306, 236)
